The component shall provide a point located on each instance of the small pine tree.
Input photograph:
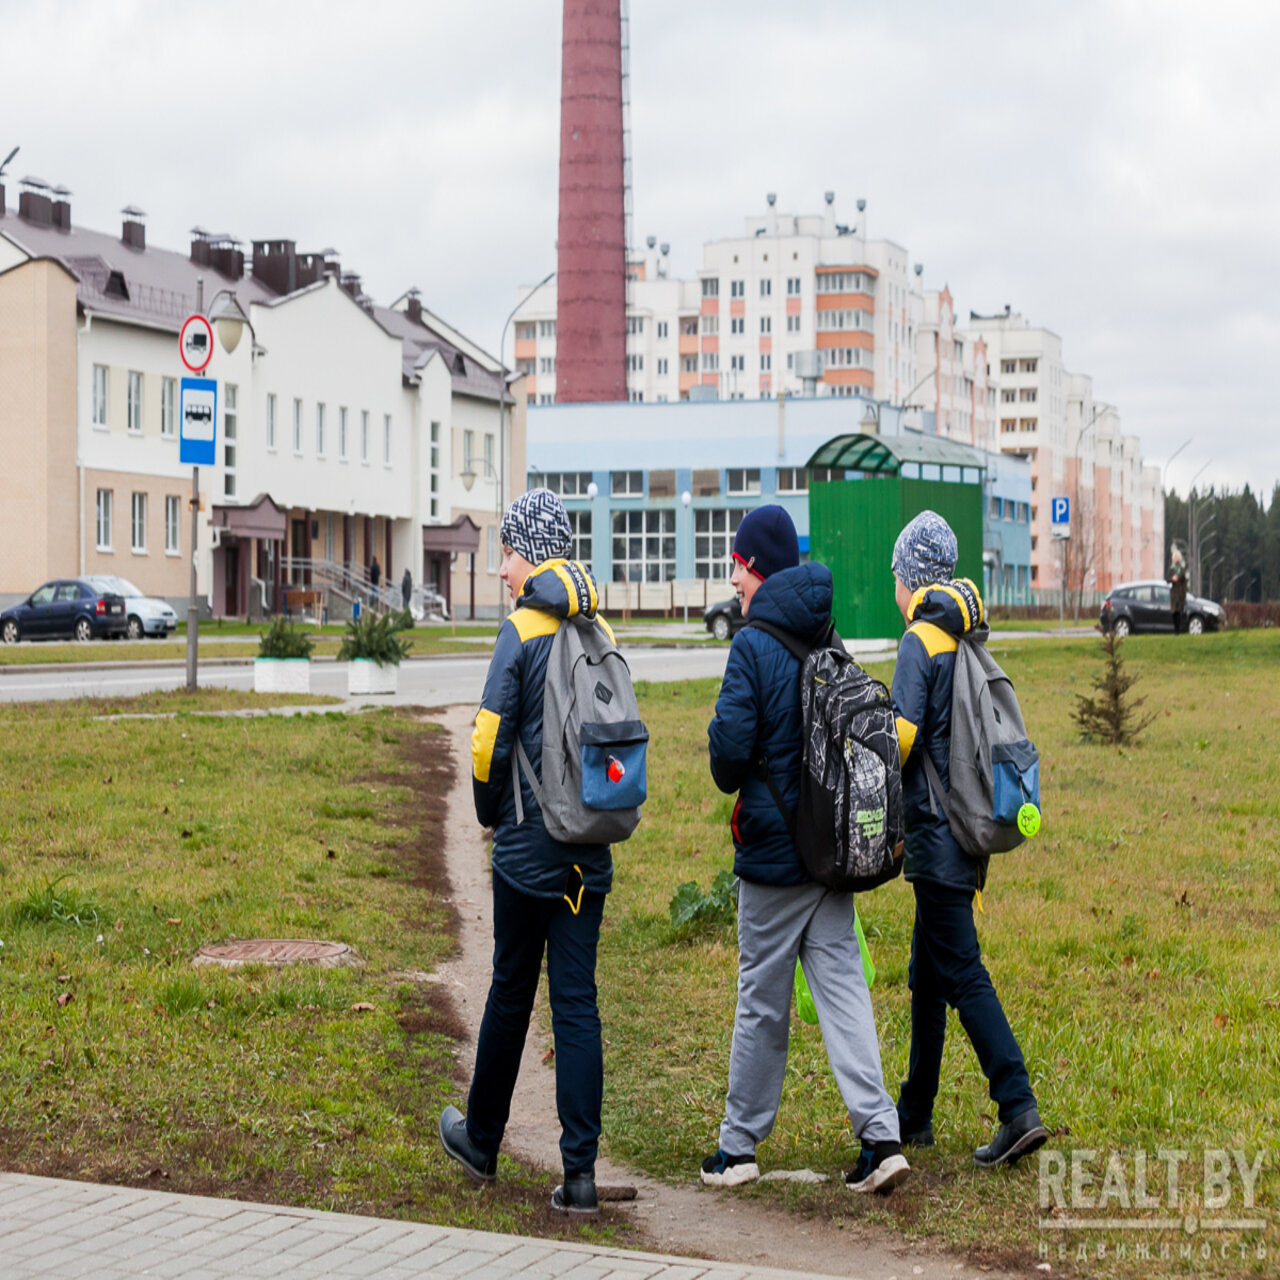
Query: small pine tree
(1112, 715)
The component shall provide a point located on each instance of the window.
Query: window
(662, 328)
(546, 329)
(329, 539)
(662, 366)
(135, 403)
(626, 484)
(711, 288)
(766, 363)
(491, 548)
(468, 450)
(1008, 424)
(435, 469)
(580, 523)
(138, 524)
(689, 325)
(230, 428)
(1027, 395)
(342, 433)
(547, 364)
(386, 439)
(689, 364)
(1030, 366)
(297, 427)
(793, 480)
(710, 324)
(319, 429)
(793, 324)
(713, 541)
(1008, 395)
(766, 288)
(635, 324)
(171, 509)
(1008, 366)
(99, 395)
(710, 361)
(526, 331)
(489, 468)
(1027, 424)
(635, 363)
(271, 421)
(793, 286)
(738, 324)
(737, 288)
(104, 519)
(527, 367)
(568, 484)
(737, 363)
(766, 324)
(364, 435)
(743, 480)
(644, 546)
(168, 407)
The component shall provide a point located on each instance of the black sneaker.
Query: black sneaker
(453, 1137)
(1021, 1136)
(724, 1170)
(576, 1194)
(880, 1168)
(922, 1137)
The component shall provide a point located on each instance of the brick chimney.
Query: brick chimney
(414, 308)
(34, 203)
(134, 231)
(591, 309)
(61, 208)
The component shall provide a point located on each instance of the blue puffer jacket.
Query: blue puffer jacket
(922, 681)
(525, 856)
(758, 715)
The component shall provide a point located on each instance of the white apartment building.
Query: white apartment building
(799, 304)
(954, 394)
(345, 431)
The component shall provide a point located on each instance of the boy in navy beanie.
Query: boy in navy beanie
(757, 737)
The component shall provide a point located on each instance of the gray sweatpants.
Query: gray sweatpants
(775, 925)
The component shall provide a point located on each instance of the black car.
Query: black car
(723, 619)
(67, 608)
(1134, 607)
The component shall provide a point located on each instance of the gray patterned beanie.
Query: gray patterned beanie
(537, 527)
(925, 552)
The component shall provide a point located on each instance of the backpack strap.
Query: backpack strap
(520, 757)
(934, 784)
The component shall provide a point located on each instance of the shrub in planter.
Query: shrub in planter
(283, 664)
(374, 649)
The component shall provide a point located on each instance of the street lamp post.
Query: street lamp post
(502, 405)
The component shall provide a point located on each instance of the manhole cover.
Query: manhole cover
(277, 951)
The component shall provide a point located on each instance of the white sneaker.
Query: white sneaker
(881, 1175)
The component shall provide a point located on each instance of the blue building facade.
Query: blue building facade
(655, 492)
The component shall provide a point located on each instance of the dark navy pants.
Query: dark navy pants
(523, 928)
(947, 969)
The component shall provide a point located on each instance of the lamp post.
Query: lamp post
(502, 405)
(1193, 528)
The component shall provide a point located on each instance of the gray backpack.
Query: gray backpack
(593, 741)
(995, 768)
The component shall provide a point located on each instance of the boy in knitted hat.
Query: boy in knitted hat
(782, 913)
(547, 896)
(946, 962)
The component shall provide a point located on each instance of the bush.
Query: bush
(375, 638)
(280, 640)
(718, 905)
(1113, 715)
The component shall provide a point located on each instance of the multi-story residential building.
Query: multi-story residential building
(954, 391)
(345, 430)
(799, 304)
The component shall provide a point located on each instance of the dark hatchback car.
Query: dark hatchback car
(723, 619)
(65, 608)
(1134, 607)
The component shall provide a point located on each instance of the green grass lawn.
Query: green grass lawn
(124, 846)
(1133, 943)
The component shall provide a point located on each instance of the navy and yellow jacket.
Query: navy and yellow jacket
(922, 682)
(758, 716)
(525, 856)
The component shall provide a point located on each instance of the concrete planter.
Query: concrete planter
(282, 675)
(366, 676)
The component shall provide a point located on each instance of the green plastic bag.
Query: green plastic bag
(804, 997)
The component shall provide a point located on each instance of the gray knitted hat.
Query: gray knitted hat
(925, 552)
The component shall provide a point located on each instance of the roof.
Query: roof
(885, 455)
(149, 286)
(419, 343)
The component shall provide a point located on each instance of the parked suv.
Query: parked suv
(65, 608)
(1144, 606)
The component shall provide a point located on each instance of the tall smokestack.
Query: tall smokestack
(591, 289)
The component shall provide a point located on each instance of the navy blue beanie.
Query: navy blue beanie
(766, 541)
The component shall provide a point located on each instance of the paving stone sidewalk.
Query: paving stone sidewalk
(58, 1230)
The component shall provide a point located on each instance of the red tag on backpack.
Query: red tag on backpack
(616, 769)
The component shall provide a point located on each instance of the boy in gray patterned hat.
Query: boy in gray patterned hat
(946, 962)
(548, 897)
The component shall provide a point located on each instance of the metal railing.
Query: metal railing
(351, 582)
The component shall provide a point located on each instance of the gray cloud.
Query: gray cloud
(1106, 168)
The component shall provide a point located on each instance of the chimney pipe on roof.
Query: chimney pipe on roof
(414, 309)
(62, 208)
(133, 232)
(34, 204)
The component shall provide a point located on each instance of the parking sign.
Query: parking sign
(1060, 517)
(198, 422)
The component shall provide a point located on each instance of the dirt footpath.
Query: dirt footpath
(688, 1219)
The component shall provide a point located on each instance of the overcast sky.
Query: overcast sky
(1107, 167)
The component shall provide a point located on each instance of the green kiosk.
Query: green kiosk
(862, 490)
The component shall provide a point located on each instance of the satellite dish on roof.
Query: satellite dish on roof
(772, 198)
(829, 197)
(651, 241)
(862, 204)
(666, 248)
(919, 268)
